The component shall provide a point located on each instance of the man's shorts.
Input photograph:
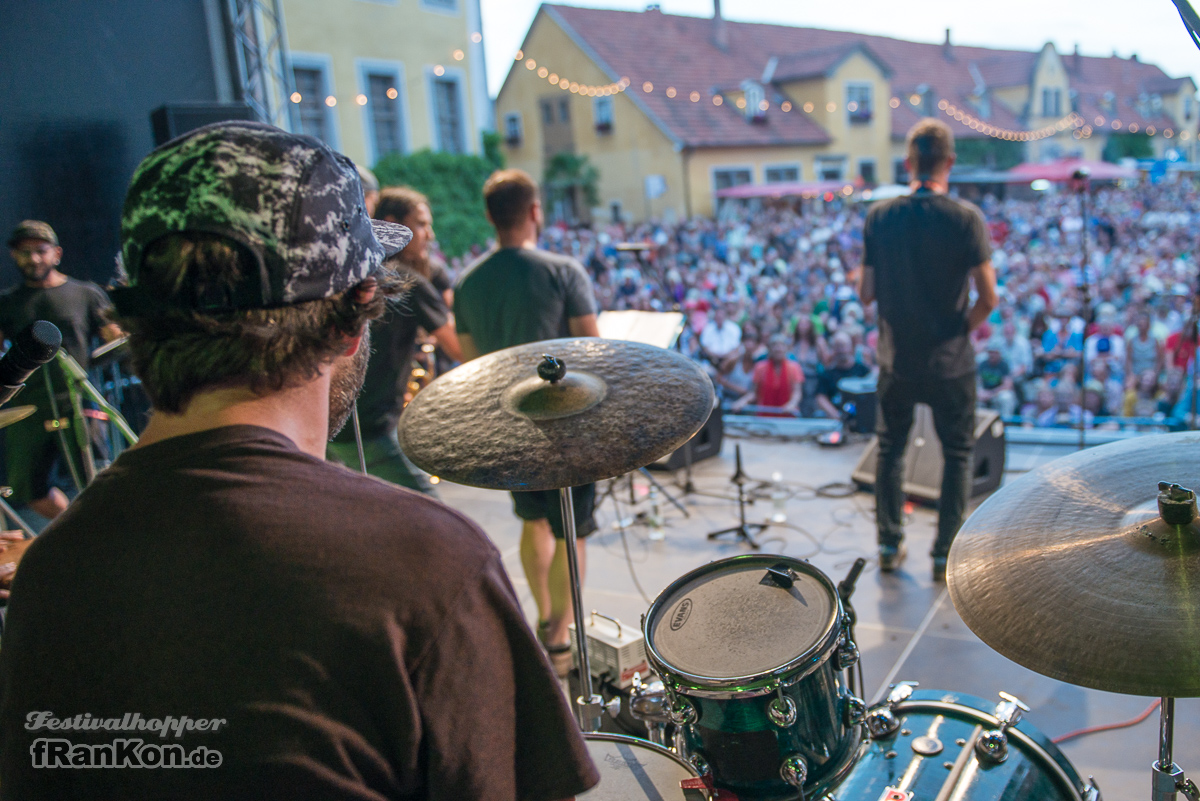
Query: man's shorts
(546, 504)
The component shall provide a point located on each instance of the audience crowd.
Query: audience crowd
(771, 306)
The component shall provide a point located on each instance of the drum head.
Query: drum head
(731, 619)
(633, 769)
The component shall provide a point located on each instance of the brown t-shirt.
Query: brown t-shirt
(357, 640)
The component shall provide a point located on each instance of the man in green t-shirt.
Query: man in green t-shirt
(514, 295)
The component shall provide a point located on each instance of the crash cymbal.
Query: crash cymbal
(15, 414)
(511, 420)
(1087, 571)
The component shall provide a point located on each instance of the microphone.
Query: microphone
(35, 345)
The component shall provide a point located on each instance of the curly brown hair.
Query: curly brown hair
(178, 352)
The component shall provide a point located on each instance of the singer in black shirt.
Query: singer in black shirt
(33, 455)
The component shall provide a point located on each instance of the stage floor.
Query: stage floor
(907, 627)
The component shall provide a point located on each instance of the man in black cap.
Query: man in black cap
(224, 599)
(921, 254)
(34, 454)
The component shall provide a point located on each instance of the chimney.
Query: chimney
(720, 31)
(1133, 57)
(1077, 63)
(947, 48)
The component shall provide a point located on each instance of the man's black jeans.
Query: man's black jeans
(953, 403)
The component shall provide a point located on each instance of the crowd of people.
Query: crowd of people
(781, 279)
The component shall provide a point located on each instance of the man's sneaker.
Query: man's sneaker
(890, 557)
(939, 569)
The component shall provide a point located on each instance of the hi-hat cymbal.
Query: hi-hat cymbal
(499, 421)
(1085, 570)
(109, 352)
(15, 414)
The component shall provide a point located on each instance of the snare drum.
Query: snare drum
(931, 753)
(751, 651)
(632, 769)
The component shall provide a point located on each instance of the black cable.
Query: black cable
(628, 555)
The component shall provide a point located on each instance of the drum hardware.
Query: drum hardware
(743, 531)
(518, 418)
(648, 704)
(992, 745)
(794, 771)
(632, 769)
(881, 720)
(848, 655)
(1168, 778)
(854, 709)
(782, 710)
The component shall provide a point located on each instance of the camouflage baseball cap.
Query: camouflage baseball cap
(32, 229)
(290, 200)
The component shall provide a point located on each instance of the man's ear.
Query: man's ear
(355, 342)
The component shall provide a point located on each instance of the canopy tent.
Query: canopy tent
(1064, 170)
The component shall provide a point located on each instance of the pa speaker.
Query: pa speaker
(176, 119)
(705, 444)
(923, 457)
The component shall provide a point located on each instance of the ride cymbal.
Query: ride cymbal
(512, 420)
(15, 414)
(1087, 570)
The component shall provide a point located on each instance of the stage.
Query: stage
(907, 627)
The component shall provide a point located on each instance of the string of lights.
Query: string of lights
(566, 84)
(1071, 121)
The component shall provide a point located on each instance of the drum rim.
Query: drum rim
(1024, 732)
(640, 743)
(756, 684)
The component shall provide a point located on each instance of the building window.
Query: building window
(1187, 107)
(900, 171)
(782, 174)
(448, 115)
(547, 113)
(383, 105)
(602, 111)
(615, 209)
(858, 103)
(315, 116)
(831, 169)
(724, 179)
(564, 110)
(755, 97)
(1051, 102)
(512, 129)
(866, 171)
(440, 5)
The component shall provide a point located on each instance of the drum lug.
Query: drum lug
(782, 710)
(881, 720)
(697, 761)
(854, 709)
(993, 745)
(682, 711)
(794, 770)
(847, 654)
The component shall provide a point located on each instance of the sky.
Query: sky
(1151, 29)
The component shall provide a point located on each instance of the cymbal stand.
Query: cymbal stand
(1169, 780)
(588, 704)
(743, 531)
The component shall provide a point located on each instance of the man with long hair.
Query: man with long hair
(921, 254)
(222, 599)
(394, 342)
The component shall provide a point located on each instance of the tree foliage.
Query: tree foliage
(566, 172)
(1126, 145)
(995, 154)
(454, 185)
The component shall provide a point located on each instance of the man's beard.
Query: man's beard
(345, 384)
(35, 274)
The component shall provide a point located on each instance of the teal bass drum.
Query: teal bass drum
(932, 754)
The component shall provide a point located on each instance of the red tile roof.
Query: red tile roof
(677, 51)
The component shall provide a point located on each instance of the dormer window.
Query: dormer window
(756, 101)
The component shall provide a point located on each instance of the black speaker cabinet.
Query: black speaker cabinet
(923, 457)
(175, 119)
(706, 443)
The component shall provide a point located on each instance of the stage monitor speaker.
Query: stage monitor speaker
(923, 457)
(176, 119)
(706, 443)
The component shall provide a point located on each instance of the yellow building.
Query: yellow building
(672, 110)
(378, 76)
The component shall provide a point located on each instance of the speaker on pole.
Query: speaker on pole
(923, 457)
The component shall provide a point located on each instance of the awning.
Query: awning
(788, 189)
(1064, 170)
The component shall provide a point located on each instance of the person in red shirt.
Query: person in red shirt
(1181, 346)
(778, 382)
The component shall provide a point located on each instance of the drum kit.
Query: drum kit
(1076, 571)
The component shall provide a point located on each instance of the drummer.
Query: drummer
(224, 594)
(36, 463)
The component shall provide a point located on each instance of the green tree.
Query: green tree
(571, 179)
(1126, 145)
(454, 185)
(492, 149)
(995, 154)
